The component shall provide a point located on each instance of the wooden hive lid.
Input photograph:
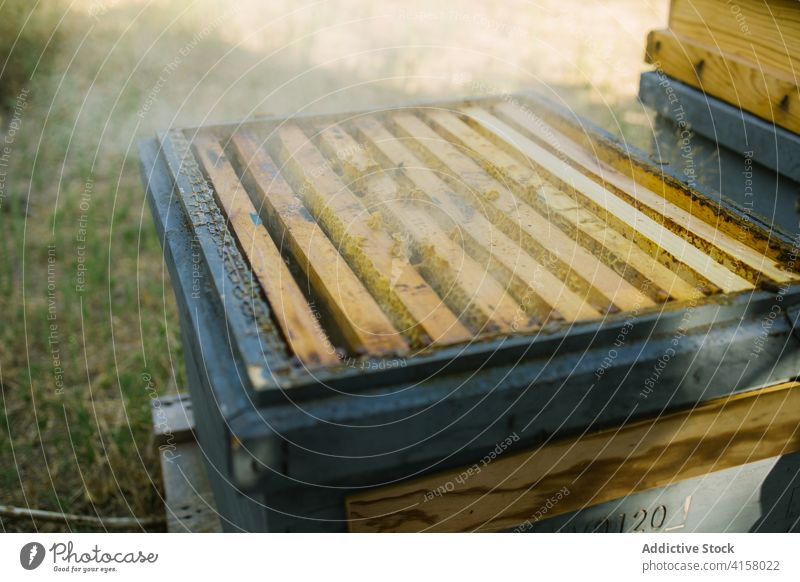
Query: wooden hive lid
(379, 237)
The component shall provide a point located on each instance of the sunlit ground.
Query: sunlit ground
(86, 305)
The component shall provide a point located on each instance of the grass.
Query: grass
(86, 302)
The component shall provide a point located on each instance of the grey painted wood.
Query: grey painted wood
(732, 152)
(188, 497)
(189, 501)
(250, 329)
(774, 147)
(211, 362)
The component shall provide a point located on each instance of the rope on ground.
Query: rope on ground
(90, 520)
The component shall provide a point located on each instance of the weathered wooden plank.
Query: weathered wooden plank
(766, 32)
(535, 288)
(682, 250)
(460, 279)
(188, 499)
(595, 231)
(173, 419)
(248, 318)
(290, 308)
(361, 320)
(370, 249)
(759, 89)
(725, 249)
(522, 221)
(352, 157)
(736, 222)
(595, 468)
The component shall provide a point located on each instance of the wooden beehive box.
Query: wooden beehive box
(372, 296)
(745, 53)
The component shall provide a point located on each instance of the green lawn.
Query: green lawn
(87, 308)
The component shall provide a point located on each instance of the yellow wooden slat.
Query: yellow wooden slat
(519, 219)
(358, 316)
(735, 250)
(292, 312)
(653, 177)
(765, 32)
(682, 250)
(353, 157)
(594, 468)
(531, 283)
(371, 250)
(468, 284)
(560, 206)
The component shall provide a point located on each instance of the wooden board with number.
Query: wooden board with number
(503, 491)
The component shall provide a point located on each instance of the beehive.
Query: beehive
(367, 280)
(745, 53)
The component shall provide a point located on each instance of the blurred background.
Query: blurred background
(89, 332)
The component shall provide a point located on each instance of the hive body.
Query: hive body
(406, 288)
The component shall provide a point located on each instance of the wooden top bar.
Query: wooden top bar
(394, 233)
